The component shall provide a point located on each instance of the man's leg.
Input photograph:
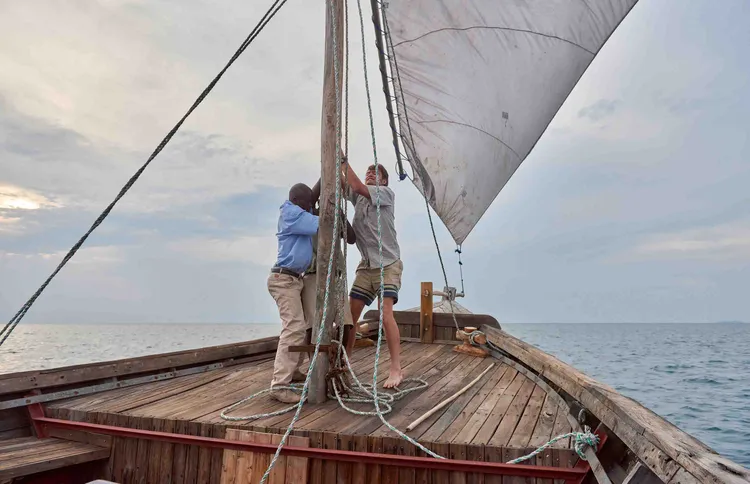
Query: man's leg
(392, 279)
(309, 299)
(287, 292)
(356, 306)
(393, 338)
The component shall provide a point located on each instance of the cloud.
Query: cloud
(600, 110)
(728, 242)
(17, 198)
(260, 250)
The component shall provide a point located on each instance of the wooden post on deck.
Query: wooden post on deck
(426, 329)
(318, 393)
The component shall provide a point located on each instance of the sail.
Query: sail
(477, 82)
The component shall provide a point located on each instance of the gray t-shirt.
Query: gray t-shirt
(365, 226)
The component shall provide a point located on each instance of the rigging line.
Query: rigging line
(382, 64)
(398, 89)
(412, 148)
(270, 13)
(459, 251)
(334, 236)
(381, 298)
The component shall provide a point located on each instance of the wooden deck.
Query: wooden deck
(503, 410)
(29, 455)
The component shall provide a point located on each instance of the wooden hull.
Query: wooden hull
(527, 399)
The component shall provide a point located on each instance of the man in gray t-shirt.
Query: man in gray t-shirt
(366, 287)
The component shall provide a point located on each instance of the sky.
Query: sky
(633, 207)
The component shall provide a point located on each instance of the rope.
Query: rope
(459, 251)
(582, 440)
(321, 328)
(412, 148)
(374, 387)
(11, 325)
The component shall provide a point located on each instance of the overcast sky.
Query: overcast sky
(633, 207)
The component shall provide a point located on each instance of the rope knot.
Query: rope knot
(585, 439)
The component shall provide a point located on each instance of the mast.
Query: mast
(317, 392)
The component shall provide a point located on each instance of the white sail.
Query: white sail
(476, 84)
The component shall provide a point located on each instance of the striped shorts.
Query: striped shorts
(366, 285)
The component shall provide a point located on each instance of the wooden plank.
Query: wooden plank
(315, 475)
(390, 473)
(683, 477)
(493, 454)
(508, 424)
(510, 454)
(180, 454)
(278, 473)
(475, 396)
(375, 471)
(344, 469)
(640, 429)
(329, 466)
(414, 360)
(444, 320)
(543, 430)
(441, 477)
(423, 476)
(458, 406)
(192, 460)
(475, 453)
(296, 467)
(458, 452)
(525, 428)
(479, 416)
(406, 475)
(260, 461)
(359, 470)
(167, 454)
(23, 381)
(450, 378)
(501, 406)
(25, 457)
(561, 426)
(154, 452)
(426, 330)
(640, 474)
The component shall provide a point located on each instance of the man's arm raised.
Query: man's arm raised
(355, 184)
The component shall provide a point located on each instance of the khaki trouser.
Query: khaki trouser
(288, 292)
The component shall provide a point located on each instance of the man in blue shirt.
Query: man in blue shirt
(296, 228)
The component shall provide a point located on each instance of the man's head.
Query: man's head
(370, 176)
(301, 195)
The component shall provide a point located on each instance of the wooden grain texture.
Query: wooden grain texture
(29, 455)
(640, 429)
(330, 141)
(38, 379)
(239, 467)
(426, 330)
(440, 320)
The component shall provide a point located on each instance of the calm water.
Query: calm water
(697, 376)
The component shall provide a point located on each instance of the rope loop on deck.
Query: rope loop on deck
(581, 441)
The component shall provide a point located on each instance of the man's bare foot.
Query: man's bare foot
(394, 379)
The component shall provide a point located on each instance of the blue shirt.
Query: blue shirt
(295, 231)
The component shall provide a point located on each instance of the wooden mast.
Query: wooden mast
(317, 393)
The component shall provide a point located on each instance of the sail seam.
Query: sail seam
(509, 29)
(473, 127)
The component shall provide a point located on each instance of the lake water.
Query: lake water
(695, 375)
